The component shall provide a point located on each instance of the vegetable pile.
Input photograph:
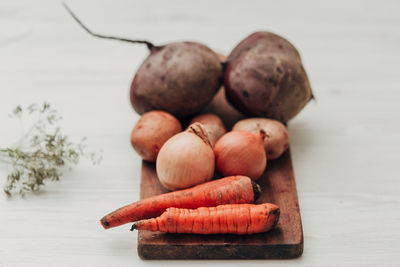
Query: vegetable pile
(262, 83)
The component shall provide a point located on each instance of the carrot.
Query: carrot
(232, 189)
(224, 219)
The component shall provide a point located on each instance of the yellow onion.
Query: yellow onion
(241, 153)
(186, 159)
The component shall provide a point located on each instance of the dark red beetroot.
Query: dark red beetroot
(180, 78)
(220, 106)
(265, 77)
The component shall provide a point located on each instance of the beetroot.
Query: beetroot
(180, 78)
(265, 77)
(220, 106)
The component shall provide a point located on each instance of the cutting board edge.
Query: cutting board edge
(169, 252)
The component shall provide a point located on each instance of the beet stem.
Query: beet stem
(149, 45)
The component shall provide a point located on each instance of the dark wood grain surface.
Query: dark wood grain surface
(285, 241)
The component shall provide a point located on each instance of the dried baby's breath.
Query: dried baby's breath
(42, 152)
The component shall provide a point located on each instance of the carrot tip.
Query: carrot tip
(105, 223)
(256, 190)
(134, 227)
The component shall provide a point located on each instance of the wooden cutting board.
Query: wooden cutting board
(285, 241)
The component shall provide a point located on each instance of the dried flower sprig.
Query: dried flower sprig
(42, 152)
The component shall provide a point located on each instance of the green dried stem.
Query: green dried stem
(42, 152)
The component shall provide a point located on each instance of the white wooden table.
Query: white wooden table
(345, 145)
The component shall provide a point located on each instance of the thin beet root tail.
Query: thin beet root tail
(256, 190)
(149, 45)
(134, 227)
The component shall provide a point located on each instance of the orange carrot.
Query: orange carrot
(229, 190)
(224, 219)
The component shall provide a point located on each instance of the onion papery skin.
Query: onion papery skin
(241, 153)
(185, 160)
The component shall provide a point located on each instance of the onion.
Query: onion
(150, 133)
(241, 153)
(186, 159)
(277, 140)
(213, 124)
